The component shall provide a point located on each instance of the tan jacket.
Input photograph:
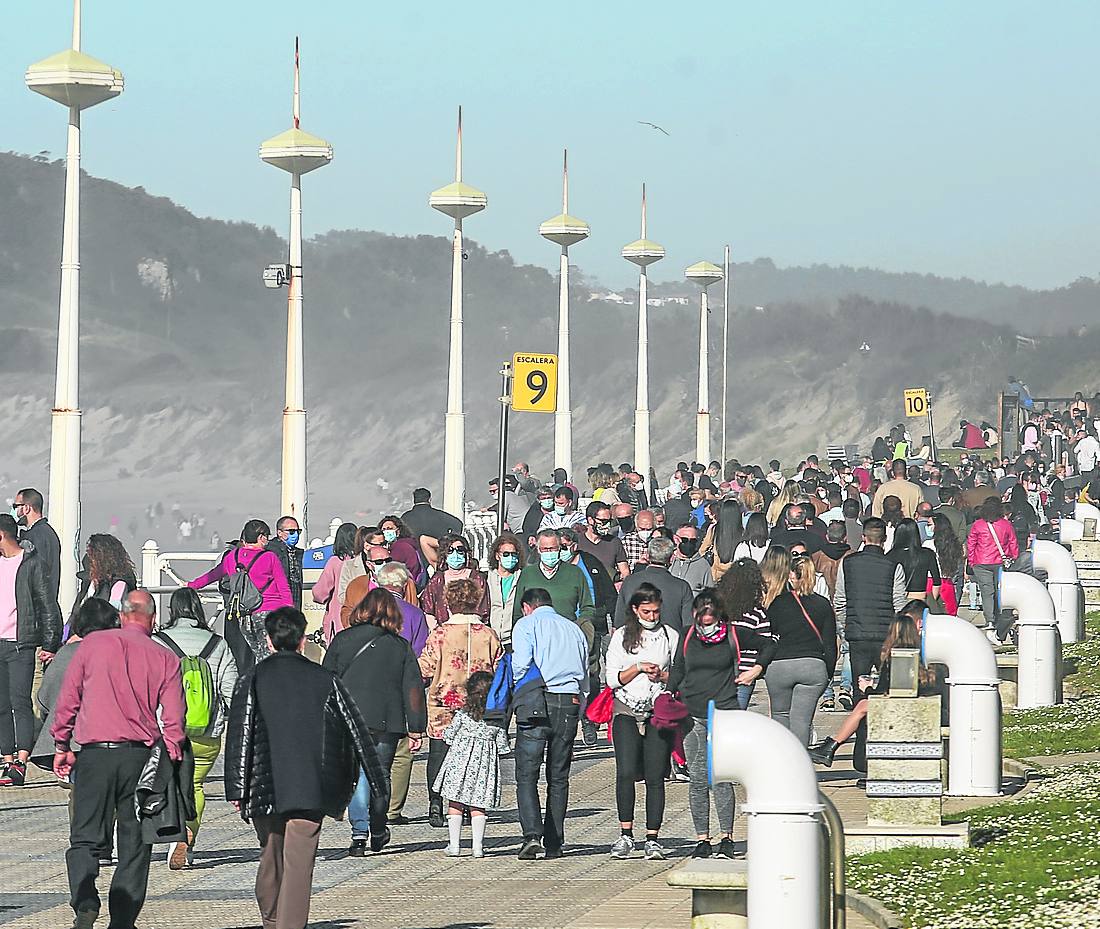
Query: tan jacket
(907, 492)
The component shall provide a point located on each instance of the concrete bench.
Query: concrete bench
(719, 891)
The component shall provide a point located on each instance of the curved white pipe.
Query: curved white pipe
(974, 752)
(1063, 587)
(1040, 648)
(784, 835)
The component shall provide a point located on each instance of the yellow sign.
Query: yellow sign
(916, 401)
(534, 383)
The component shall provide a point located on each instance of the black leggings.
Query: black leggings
(640, 757)
(437, 754)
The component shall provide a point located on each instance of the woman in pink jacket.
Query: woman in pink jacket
(326, 590)
(266, 572)
(990, 544)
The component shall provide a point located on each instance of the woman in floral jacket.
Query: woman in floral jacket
(455, 650)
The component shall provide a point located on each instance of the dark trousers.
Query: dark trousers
(595, 679)
(16, 713)
(241, 650)
(552, 741)
(103, 789)
(640, 757)
(437, 754)
(862, 655)
(284, 879)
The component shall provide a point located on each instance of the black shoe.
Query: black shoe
(435, 815)
(823, 752)
(844, 700)
(358, 848)
(398, 820)
(14, 775)
(726, 849)
(85, 919)
(589, 732)
(530, 850)
(379, 842)
(861, 783)
(466, 817)
(703, 850)
(552, 853)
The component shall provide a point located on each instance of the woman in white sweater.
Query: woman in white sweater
(639, 658)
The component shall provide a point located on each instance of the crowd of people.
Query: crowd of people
(633, 612)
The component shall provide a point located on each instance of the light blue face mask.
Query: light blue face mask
(292, 538)
(566, 555)
(547, 504)
(390, 535)
(456, 560)
(559, 509)
(509, 562)
(550, 559)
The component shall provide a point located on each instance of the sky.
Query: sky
(958, 139)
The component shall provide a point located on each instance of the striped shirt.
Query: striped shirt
(755, 620)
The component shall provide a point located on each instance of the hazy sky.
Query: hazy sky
(944, 137)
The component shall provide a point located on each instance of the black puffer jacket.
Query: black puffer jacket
(38, 618)
(296, 741)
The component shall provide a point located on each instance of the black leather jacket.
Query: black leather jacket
(165, 795)
(291, 560)
(38, 618)
(341, 748)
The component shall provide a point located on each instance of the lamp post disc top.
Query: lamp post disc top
(643, 252)
(564, 229)
(74, 79)
(458, 200)
(704, 273)
(296, 151)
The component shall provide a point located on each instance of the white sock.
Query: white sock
(454, 828)
(477, 825)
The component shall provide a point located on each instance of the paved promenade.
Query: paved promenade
(411, 885)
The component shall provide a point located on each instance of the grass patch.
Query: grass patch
(1075, 725)
(1035, 865)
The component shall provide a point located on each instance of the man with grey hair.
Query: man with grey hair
(122, 693)
(565, 583)
(676, 594)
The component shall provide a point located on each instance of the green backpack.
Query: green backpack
(199, 696)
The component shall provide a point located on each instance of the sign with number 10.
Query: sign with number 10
(534, 383)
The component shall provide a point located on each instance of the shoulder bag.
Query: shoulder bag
(1005, 560)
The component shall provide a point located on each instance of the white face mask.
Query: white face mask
(646, 624)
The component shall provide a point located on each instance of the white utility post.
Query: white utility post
(643, 253)
(296, 152)
(725, 349)
(564, 230)
(457, 200)
(77, 81)
(703, 273)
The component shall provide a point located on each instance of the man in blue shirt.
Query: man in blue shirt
(557, 647)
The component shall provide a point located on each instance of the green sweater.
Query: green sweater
(568, 590)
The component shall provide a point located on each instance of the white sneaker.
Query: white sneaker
(991, 634)
(653, 850)
(623, 847)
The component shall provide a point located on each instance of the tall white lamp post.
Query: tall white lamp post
(725, 346)
(296, 152)
(564, 230)
(703, 273)
(457, 200)
(643, 253)
(77, 81)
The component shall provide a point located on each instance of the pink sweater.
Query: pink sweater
(980, 547)
(264, 569)
(326, 590)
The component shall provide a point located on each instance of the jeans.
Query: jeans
(700, 789)
(744, 694)
(552, 741)
(794, 687)
(16, 713)
(985, 576)
(104, 788)
(359, 809)
(639, 757)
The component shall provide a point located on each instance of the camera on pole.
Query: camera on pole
(276, 276)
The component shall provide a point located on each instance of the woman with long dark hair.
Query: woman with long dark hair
(949, 555)
(381, 672)
(918, 562)
(754, 540)
(1022, 515)
(326, 590)
(107, 572)
(639, 658)
(723, 537)
(186, 633)
(741, 594)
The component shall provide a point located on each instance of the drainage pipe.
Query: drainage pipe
(834, 826)
(782, 806)
(974, 751)
(1040, 649)
(1063, 586)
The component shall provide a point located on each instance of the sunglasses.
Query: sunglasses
(456, 551)
(380, 561)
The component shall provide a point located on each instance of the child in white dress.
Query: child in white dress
(470, 776)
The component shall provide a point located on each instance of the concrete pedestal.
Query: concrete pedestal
(719, 891)
(1087, 555)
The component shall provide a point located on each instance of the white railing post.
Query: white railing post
(335, 523)
(150, 567)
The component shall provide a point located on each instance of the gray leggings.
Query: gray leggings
(985, 575)
(700, 789)
(794, 687)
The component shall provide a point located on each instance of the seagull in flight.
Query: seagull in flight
(654, 126)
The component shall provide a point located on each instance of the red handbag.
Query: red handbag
(601, 707)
